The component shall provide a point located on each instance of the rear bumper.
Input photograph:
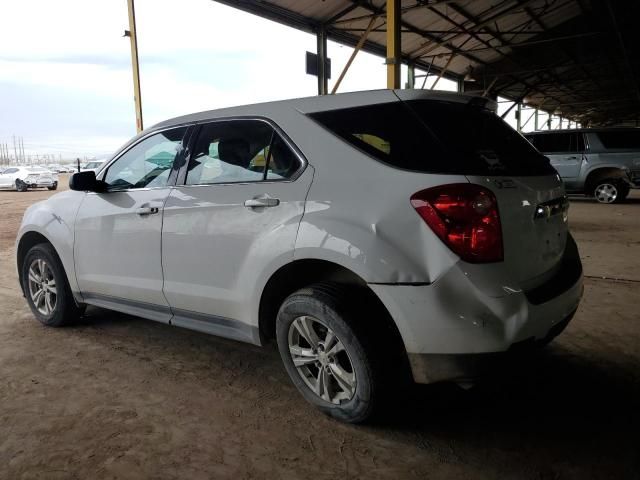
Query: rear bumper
(452, 329)
(430, 368)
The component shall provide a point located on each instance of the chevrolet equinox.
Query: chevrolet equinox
(370, 235)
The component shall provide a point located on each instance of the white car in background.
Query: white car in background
(23, 178)
(93, 166)
(56, 168)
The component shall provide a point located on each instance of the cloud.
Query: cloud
(65, 72)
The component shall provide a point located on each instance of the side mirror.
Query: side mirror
(86, 182)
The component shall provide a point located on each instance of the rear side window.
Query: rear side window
(240, 151)
(620, 139)
(10, 170)
(436, 137)
(566, 142)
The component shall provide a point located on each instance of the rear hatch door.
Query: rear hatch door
(533, 216)
(530, 194)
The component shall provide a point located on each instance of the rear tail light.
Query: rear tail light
(465, 217)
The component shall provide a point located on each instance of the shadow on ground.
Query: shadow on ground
(555, 404)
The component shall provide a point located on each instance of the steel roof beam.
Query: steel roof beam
(499, 36)
(295, 20)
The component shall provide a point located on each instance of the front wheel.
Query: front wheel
(610, 190)
(45, 285)
(326, 353)
(53, 187)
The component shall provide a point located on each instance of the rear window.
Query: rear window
(620, 139)
(437, 137)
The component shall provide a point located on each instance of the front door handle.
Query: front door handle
(261, 202)
(142, 211)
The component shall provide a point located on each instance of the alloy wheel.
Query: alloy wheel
(321, 360)
(42, 286)
(606, 193)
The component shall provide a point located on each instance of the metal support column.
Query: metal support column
(131, 33)
(535, 121)
(321, 50)
(411, 76)
(519, 117)
(393, 60)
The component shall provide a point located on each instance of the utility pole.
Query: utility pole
(133, 37)
(15, 149)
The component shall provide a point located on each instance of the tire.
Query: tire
(355, 382)
(55, 307)
(625, 189)
(54, 187)
(21, 186)
(610, 190)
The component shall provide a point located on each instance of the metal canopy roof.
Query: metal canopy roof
(577, 58)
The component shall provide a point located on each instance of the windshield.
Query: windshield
(437, 137)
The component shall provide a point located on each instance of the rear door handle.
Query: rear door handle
(142, 211)
(262, 202)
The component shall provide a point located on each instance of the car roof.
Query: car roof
(316, 104)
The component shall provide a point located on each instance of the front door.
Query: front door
(236, 213)
(117, 246)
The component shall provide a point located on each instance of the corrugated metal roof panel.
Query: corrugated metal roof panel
(565, 53)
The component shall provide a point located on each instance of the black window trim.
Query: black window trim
(171, 181)
(302, 161)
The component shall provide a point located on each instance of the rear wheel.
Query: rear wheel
(46, 287)
(328, 354)
(610, 190)
(21, 186)
(53, 187)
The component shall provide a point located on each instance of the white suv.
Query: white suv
(369, 234)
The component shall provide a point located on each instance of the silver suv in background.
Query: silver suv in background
(370, 235)
(603, 163)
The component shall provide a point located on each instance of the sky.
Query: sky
(66, 85)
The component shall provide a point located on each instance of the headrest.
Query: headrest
(234, 151)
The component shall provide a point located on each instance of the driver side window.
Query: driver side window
(147, 164)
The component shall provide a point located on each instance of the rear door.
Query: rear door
(566, 152)
(235, 213)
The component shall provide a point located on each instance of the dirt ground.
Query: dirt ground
(121, 397)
